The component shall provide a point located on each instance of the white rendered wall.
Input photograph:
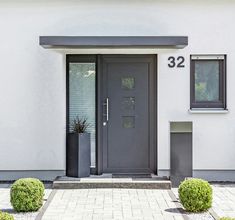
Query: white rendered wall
(32, 79)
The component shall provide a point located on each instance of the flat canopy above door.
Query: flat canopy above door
(174, 42)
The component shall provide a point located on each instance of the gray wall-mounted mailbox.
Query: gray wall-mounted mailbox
(181, 151)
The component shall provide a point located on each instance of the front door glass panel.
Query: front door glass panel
(128, 103)
(128, 83)
(128, 121)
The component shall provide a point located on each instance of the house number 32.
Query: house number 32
(176, 62)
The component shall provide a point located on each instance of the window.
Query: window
(208, 82)
(81, 72)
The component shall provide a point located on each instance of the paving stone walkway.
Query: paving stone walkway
(128, 204)
(110, 204)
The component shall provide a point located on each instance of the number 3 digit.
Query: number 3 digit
(172, 62)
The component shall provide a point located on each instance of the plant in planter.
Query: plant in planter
(80, 125)
(78, 149)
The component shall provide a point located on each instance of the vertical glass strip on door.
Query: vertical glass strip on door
(82, 98)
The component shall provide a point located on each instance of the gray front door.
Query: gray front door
(129, 98)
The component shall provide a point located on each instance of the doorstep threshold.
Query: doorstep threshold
(95, 182)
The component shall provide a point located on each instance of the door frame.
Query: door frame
(99, 103)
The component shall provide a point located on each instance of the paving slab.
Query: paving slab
(110, 204)
(224, 200)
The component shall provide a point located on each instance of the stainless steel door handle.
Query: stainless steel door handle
(106, 114)
(107, 109)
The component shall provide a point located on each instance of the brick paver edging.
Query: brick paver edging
(46, 205)
(178, 205)
(213, 214)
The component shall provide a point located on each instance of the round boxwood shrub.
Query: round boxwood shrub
(6, 216)
(195, 195)
(27, 195)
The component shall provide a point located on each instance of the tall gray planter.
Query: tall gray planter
(78, 155)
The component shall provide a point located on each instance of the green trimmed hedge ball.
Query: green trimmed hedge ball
(27, 195)
(227, 218)
(195, 195)
(6, 216)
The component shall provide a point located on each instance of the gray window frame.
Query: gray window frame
(221, 104)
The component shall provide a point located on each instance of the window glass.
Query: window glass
(207, 80)
(82, 98)
(128, 103)
(128, 83)
(128, 121)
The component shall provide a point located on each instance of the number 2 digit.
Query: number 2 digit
(181, 62)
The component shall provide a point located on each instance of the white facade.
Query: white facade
(33, 88)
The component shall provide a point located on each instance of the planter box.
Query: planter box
(78, 157)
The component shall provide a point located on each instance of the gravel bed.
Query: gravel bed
(5, 204)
